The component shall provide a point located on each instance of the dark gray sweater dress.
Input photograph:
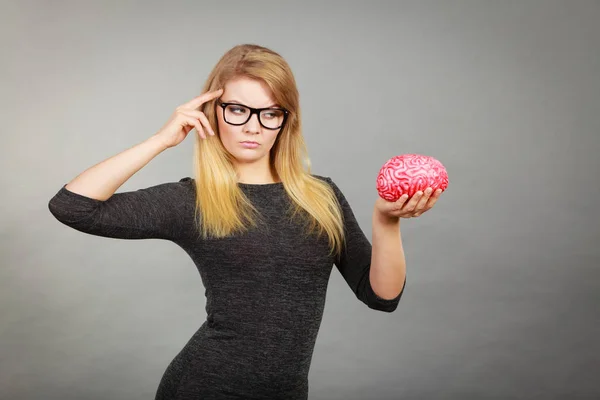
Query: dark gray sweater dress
(265, 289)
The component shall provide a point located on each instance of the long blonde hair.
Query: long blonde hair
(221, 206)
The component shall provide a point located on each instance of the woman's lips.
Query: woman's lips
(250, 145)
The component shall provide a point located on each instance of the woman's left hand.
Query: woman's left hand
(417, 205)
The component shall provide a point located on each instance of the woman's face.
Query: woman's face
(251, 93)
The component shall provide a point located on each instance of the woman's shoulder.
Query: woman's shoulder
(323, 178)
(177, 185)
(330, 181)
(174, 190)
(186, 183)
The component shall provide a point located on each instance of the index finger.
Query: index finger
(203, 98)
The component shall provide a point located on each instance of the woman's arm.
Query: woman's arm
(355, 261)
(89, 203)
(103, 179)
(158, 212)
(388, 262)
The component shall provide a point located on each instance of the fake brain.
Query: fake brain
(410, 173)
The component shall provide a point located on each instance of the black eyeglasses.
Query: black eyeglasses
(238, 114)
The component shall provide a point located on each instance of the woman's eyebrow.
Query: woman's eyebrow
(239, 102)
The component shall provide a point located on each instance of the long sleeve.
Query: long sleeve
(149, 213)
(354, 262)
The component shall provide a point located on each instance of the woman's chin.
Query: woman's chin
(247, 158)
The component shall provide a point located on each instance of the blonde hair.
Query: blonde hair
(221, 206)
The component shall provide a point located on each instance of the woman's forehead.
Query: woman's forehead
(248, 91)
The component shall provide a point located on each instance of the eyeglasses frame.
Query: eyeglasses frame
(252, 112)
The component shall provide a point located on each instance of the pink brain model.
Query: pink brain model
(409, 173)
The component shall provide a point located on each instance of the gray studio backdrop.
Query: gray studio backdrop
(503, 292)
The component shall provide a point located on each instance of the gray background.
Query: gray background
(503, 274)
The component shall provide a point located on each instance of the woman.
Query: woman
(263, 231)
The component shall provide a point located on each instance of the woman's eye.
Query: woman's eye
(239, 110)
(272, 114)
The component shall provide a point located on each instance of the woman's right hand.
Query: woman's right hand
(185, 118)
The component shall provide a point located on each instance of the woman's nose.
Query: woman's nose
(253, 124)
